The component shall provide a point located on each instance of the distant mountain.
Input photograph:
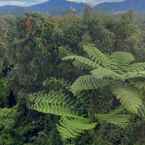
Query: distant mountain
(136, 5)
(12, 10)
(54, 7)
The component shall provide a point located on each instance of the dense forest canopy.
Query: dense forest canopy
(72, 80)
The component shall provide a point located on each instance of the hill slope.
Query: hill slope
(51, 7)
(136, 5)
(54, 7)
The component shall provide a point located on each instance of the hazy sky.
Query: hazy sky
(21, 2)
(95, 2)
(32, 2)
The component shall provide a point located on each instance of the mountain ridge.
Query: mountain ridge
(51, 7)
(136, 5)
(55, 7)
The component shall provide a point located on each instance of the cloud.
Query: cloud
(95, 2)
(33, 2)
(21, 2)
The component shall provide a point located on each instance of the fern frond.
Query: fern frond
(136, 67)
(133, 75)
(71, 124)
(54, 103)
(121, 120)
(87, 82)
(122, 58)
(135, 70)
(102, 73)
(140, 85)
(120, 61)
(96, 55)
(82, 61)
(118, 120)
(130, 98)
(74, 127)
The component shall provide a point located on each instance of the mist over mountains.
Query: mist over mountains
(136, 5)
(54, 7)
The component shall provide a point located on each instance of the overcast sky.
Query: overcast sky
(32, 2)
(95, 2)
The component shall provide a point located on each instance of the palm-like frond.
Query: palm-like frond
(82, 61)
(134, 75)
(130, 98)
(106, 73)
(113, 117)
(88, 82)
(71, 124)
(138, 84)
(134, 70)
(53, 102)
(136, 67)
(120, 61)
(122, 58)
(115, 69)
(102, 73)
(96, 55)
(74, 127)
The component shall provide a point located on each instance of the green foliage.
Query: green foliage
(54, 103)
(87, 82)
(7, 123)
(111, 70)
(114, 117)
(81, 60)
(3, 87)
(122, 58)
(7, 117)
(130, 98)
(31, 51)
(73, 127)
(71, 124)
(96, 55)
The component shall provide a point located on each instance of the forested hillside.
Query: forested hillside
(72, 80)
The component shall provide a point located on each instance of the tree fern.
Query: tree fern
(139, 85)
(82, 60)
(53, 103)
(72, 127)
(133, 75)
(102, 73)
(88, 82)
(71, 124)
(113, 70)
(122, 58)
(136, 67)
(120, 61)
(114, 117)
(96, 55)
(131, 99)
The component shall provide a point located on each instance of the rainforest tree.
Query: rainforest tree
(57, 88)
